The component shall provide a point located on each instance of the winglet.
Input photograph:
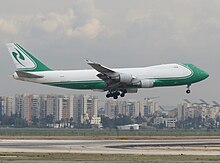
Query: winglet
(88, 61)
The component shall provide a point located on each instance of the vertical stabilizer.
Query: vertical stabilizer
(25, 61)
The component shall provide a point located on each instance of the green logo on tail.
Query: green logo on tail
(18, 56)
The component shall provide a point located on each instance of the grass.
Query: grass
(104, 157)
(97, 133)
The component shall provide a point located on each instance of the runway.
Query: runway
(146, 147)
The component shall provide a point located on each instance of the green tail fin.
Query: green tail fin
(24, 60)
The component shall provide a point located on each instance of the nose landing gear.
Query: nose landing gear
(188, 89)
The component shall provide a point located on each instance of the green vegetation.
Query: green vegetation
(13, 120)
(97, 133)
(104, 157)
(117, 121)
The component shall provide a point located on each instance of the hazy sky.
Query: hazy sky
(125, 33)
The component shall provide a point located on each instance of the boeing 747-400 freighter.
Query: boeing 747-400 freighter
(117, 81)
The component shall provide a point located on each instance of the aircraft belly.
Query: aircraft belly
(98, 84)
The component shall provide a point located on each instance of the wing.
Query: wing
(102, 69)
(112, 78)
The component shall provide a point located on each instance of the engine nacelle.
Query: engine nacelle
(146, 83)
(124, 78)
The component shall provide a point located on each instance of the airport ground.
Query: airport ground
(102, 158)
(36, 145)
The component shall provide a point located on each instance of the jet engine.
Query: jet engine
(124, 78)
(145, 83)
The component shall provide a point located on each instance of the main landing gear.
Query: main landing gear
(116, 93)
(188, 89)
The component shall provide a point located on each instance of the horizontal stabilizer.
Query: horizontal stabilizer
(23, 74)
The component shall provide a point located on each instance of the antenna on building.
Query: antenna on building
(161, 108)
(216, 104)
(186, 100)
(203, 101)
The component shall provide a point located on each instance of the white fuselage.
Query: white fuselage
(158, 71)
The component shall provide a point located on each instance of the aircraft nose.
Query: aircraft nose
(205, 74)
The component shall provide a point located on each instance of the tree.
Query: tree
(139, 120)
(13, 121)
(122, 120)
(118, 121)
(49, 119)
(35, 120)
(211, 123)
(71, 121)
(107, 122)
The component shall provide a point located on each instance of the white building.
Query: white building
(36, 106)
(52, 106)
(63, 110)
(170, 122)
(129, 127)
(7, 105)
(131, 108)
(96, 121)
(26, 110)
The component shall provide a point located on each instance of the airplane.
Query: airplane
(117, 82)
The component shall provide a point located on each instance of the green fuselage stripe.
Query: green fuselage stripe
(92, 84)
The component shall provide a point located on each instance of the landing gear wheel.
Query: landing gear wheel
(188, 88)
(123, 92)
(108, 95)
(115, 97)
(116, 93)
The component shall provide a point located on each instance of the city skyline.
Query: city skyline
(84, 111)
(116, 35)
(103, 101)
